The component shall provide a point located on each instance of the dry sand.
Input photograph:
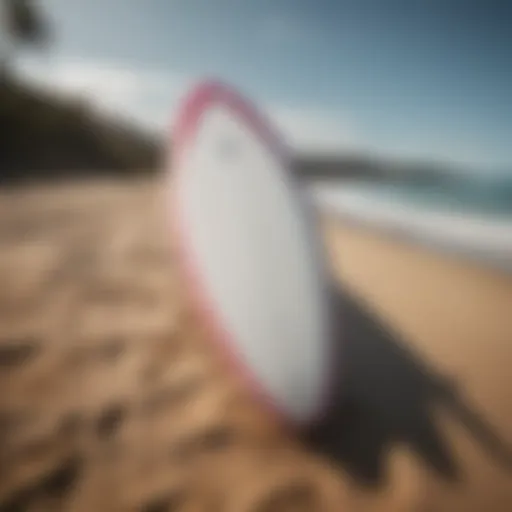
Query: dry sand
(451, 323)
(112, 399)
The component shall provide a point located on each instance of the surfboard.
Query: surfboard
(248, 248)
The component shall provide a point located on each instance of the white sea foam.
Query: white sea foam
(472, 234)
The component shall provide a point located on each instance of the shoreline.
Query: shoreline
(475, 238)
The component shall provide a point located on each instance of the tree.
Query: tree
(24, 22)
(21, 24)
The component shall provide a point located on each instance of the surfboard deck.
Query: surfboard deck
(249, 249)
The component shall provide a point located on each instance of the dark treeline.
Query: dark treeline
(361, 166)
(49, 137)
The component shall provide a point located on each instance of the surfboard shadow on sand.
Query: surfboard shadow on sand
(388, 395)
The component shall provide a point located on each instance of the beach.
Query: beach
(450, 319)
(113, 397)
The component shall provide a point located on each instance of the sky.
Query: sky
(421, 79)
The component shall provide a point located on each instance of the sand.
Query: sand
(454, 320)
(112, 399)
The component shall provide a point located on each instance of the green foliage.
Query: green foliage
(46, 137)
(25, 23)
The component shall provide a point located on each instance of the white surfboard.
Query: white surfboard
(248, 247)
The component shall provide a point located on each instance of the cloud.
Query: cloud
(311, 129)
(148, 96)
(151, 97)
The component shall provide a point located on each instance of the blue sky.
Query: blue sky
(427, 78)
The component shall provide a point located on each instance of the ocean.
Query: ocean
(472, 215)
(492, 199)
